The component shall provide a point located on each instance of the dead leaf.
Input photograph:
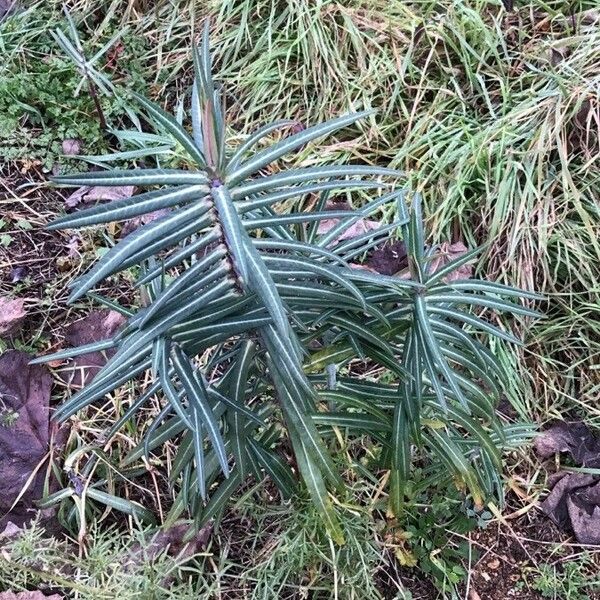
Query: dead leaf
(574, 504)
(589, 17)
(389, 259)
(405, 557)
(63, 264)
(37, 595)
(361, 267)
(584, 513)
(448, 252)
(24, 398)
(575, 438)
(18, 274)
(358, 228)
(10, 531)
(8, 7)
(584, 130)
(87, 194)
(73, 246)
(97, 326)
(131, 225)
(574, 499)
(12, 315)
(71, 146)
(169, 541)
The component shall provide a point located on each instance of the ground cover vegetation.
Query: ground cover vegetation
(492, 116)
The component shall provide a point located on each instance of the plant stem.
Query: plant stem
(99, 111)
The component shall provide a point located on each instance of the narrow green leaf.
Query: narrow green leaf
(191, 281)
(298, 248)
(318, 492)
(198, 398)
(271, 154)
(450, 453)
(296, 176)
(75, 351)
(100, 159)
(186, 251)
(276, 468)
(149, 239)
(329, 272)
(400, 443)
(126, 208)
(169, 389)
(360, 422)
(122, 505)
(244, 206)
(301, 423)
(432, 348)
(198, 443)
(89, 394)
(476, 300)
(219, 498)
(475, 322)
(262, 284)
(137, 177)
(453, 265)
(166, 121)
(292, 219)
(253, 139)
(337, 230)
(488, 287)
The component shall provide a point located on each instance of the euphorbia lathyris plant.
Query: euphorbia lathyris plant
(259, 303)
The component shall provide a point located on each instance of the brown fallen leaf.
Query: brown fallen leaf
(171, 541)
(24, 433)
(358, 228)
(574, 499)
(574, 504)
(447, 252)
(71, 146)
(354, 265)
(87, 194)
(97, 326)
(73, 246)
(12, 315)
(131, 225)
(36, 595)
(389, 259)
(584, 513)
(18, 274)
(575, 438)
(8, 7)
(10, 531)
